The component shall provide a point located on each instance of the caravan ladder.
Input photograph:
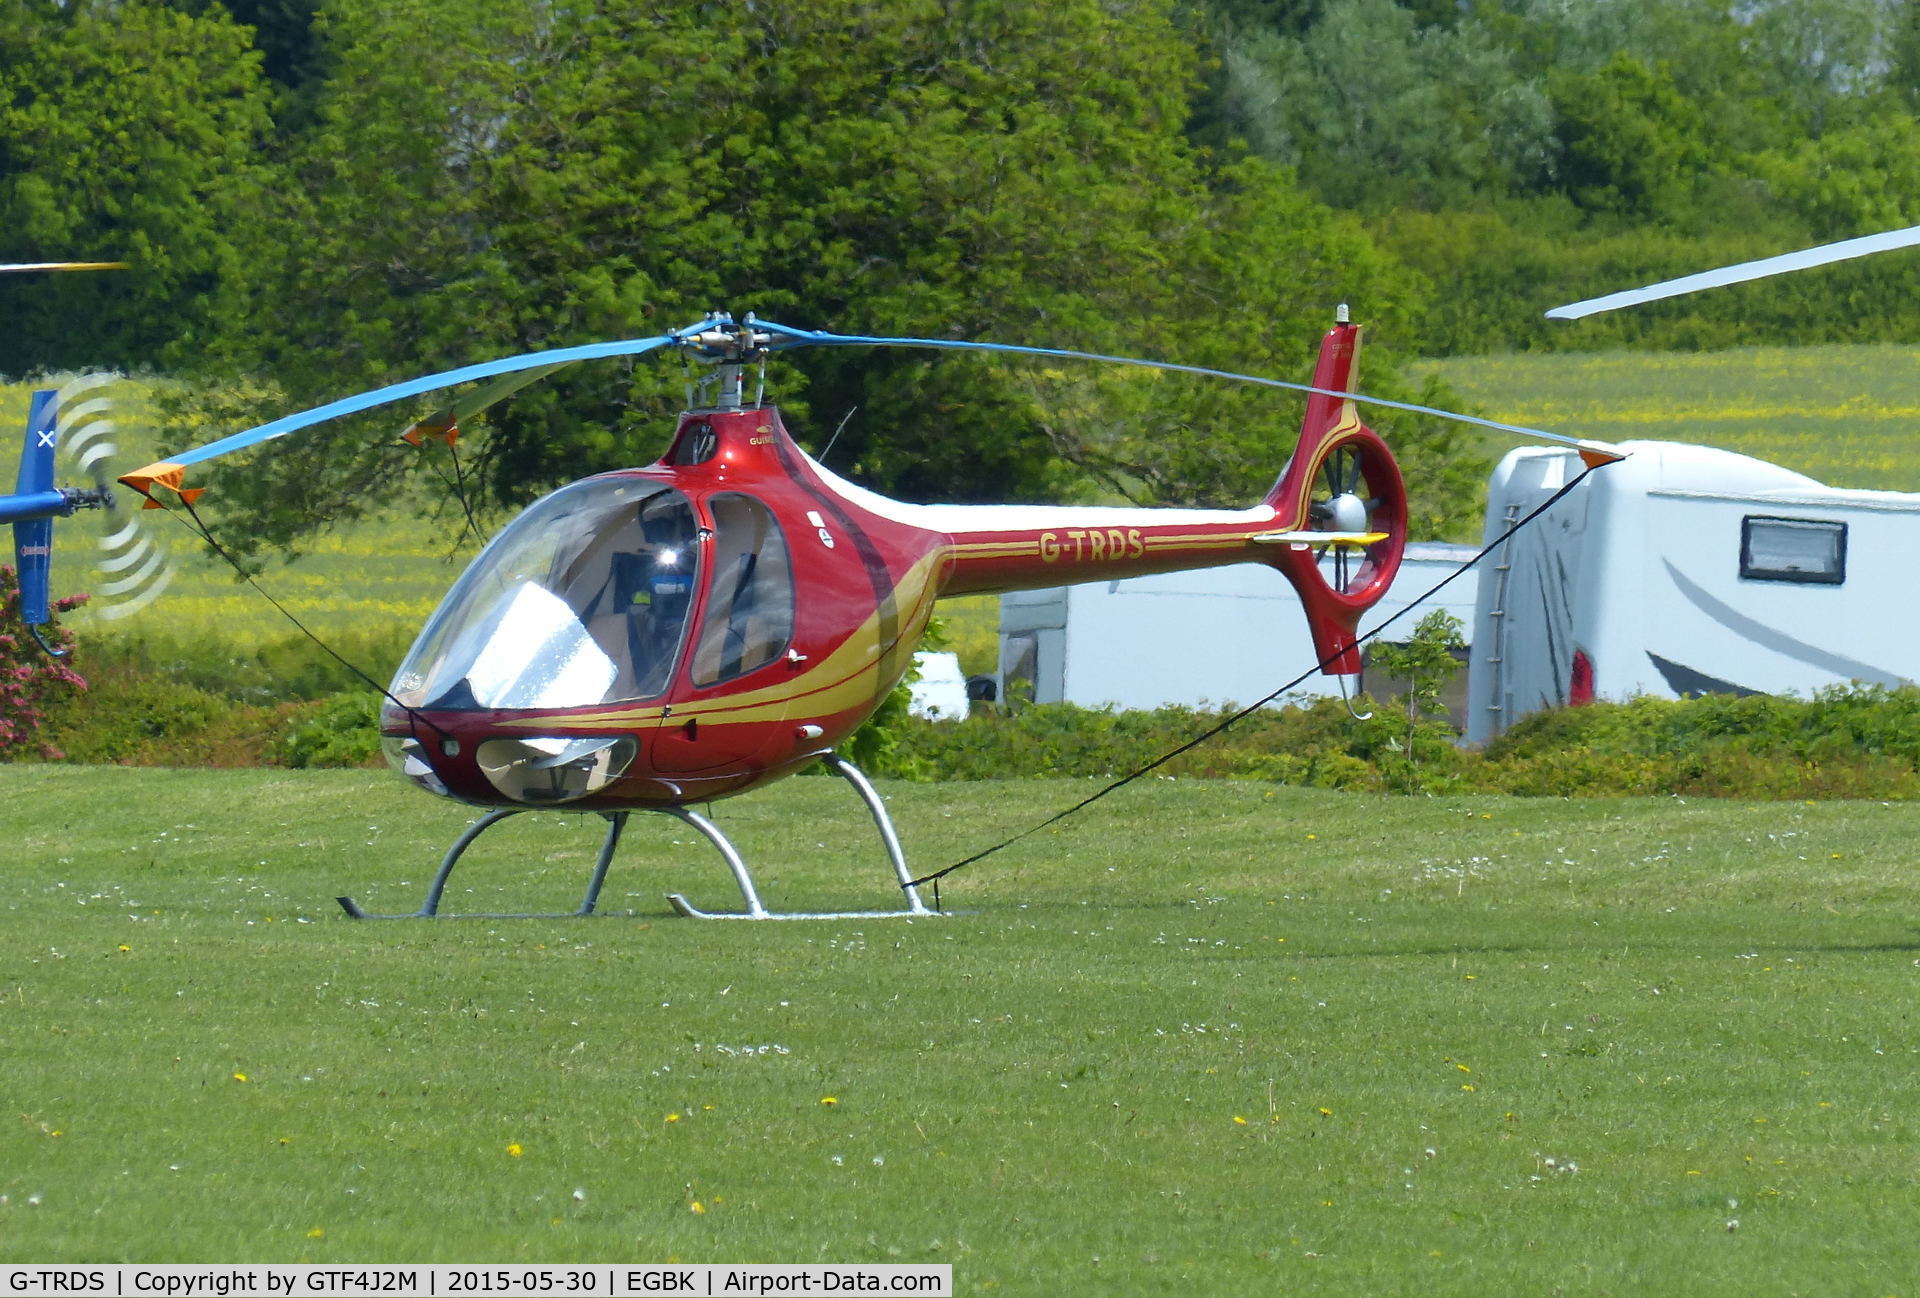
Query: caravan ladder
(1498, 612)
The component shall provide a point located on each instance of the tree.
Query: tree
(1824, 59)
(484, 179)
(1427, 661)
(1853, 181)
(1378, 108)
(1633, 143)
(126, 133)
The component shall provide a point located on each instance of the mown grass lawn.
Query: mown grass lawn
(1209, 1037)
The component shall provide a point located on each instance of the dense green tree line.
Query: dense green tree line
(1524, 153)
(322, 195)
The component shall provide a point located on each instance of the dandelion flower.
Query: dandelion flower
(241, 1077)
(316, 1233)
(514, 1150)
(1239, 1120)
(673, 1117)
(697, 1206)
(829, 1100)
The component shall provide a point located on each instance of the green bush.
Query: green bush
(342, 731)
(150, 708)
(1321, 745)
(291, 668)
(1858, 742)
(125, 715)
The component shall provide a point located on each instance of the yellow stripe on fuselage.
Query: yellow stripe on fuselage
(847, 678)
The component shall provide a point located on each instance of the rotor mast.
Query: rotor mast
(729, 348)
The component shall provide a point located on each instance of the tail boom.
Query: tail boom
(1334, 525)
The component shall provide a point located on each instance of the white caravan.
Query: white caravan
(1684, 570)
(1215, 638)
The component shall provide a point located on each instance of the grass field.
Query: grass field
(1207, 1038)
(1846, 415)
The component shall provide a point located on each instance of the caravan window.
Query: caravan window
(1793, 549)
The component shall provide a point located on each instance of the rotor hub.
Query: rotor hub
(1348, 513)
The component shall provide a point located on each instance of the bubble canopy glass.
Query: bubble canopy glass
(581, 600)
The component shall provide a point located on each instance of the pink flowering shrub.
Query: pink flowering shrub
(31, 680)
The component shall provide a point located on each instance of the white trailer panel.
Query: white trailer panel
(1686, 570)
(1220, 637)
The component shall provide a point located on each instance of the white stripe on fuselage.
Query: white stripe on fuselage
(956, 519)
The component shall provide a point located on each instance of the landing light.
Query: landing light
(408, 756)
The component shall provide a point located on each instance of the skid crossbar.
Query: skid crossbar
(430, 908)
(742, 877)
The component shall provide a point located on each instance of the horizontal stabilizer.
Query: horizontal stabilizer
(1353, 540)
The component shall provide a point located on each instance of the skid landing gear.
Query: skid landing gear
(617, 823)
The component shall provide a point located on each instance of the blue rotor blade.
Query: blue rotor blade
(427, 383)
(820, 338)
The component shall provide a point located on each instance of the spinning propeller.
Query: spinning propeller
(133, 566)
(1350, 510)
(74, 425)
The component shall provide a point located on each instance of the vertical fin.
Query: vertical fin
(33, 538)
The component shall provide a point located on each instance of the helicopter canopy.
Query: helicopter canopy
(586, 599)
(581, 600)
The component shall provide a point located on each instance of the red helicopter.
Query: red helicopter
(659, 637)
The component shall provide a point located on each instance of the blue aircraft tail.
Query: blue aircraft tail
(33, 508)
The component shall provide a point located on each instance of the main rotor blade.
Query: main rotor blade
(449, 417)
(819, 338)
(62, 265)
(167, 471)
(1805, 259)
